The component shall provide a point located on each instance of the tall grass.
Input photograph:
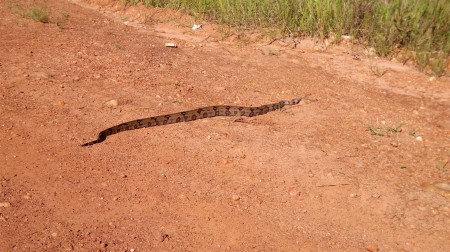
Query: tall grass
(419, 26)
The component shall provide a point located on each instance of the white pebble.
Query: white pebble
(419, 138)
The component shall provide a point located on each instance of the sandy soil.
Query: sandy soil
(311, 177)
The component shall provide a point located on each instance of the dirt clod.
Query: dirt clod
(372, 247)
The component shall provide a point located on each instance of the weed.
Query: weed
(39, 13)
(397, 128)
(413, 133)
(118, 46)
(61, 19)
(377, 131)
(442, 166)
(385, 130)
(378, 70)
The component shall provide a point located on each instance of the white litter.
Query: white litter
(173, 45)
(196, 27)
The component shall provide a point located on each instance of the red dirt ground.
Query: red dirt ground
(310, 177)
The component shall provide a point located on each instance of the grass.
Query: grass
(389, 26)
(39, 13)
(378, 70)
(385, 130)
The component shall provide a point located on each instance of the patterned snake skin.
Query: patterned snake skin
(192, 115)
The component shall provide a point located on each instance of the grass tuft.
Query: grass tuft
(39, 13)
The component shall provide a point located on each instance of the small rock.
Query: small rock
(376, 196)
(111, 103)
(102, 245)
(5, 204)
(419, 138)
(294, 192)
(27, 196)
(54, 234)
(236, 197)
(353, 195)
(123, 176)
(432, 78)
(372, 247)
(76, 78)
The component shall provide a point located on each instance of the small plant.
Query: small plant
(39, 13)
(383, 131)
(61, 19)
(413, 133)
(378, 70)
(442, 166)
(377, 131)
(396, 129)
(118, 46)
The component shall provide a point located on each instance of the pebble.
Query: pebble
(76, 78)
(372, 247)
(236, 197)
(419, 138)
(353, 195)
(102, 245)
(111, 103)
(5, 204)
(294, 192)
(27, 196)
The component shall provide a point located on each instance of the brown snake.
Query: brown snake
(192, 115)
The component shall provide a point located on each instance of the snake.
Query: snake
(192, 115)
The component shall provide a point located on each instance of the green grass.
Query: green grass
(419, 26)
(39, 13)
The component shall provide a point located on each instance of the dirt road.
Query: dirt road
(362, 165)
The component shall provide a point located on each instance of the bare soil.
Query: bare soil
(362, 165)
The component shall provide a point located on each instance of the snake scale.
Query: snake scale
(192, 115)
